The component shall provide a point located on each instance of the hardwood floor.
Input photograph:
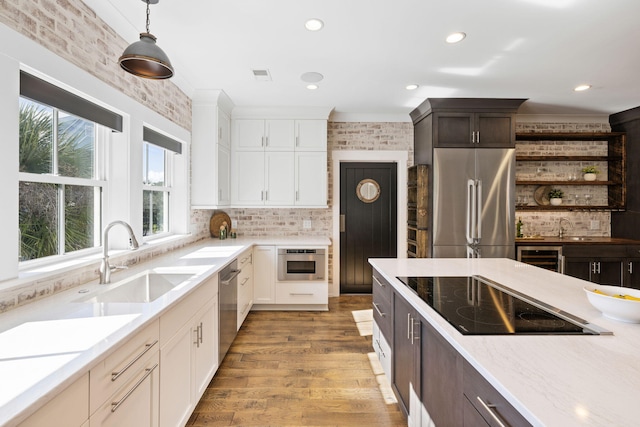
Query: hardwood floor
(302, 369)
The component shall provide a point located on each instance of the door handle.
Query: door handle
(343, 222)
(470, 210)
(478, 220)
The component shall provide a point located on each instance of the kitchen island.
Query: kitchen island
(551, 380)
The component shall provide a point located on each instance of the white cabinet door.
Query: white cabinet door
(264, 274)
(224, 130)
(248, 134)
(136, 404)
(210, 167)
(176, 385)
(68, 408)
(245, 286)
(280, 135)
(279, 171)
(311, 135)
(224, 176)
(248, 184)
(311, 178)
(205, 356)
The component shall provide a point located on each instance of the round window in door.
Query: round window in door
(368, 190)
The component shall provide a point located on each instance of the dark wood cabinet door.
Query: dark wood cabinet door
(403, 352)
(495, 130)
(440, 378)
(631, 272)
(578, 267)
(608, 271)
(452, 130)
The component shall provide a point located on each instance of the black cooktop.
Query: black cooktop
(475, 305)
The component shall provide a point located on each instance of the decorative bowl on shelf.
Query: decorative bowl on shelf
(615, 302)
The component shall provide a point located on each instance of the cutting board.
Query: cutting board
(216, 221)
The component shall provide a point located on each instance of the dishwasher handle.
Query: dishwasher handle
(232, 275)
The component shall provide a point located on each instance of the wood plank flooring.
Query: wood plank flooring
(302, 369)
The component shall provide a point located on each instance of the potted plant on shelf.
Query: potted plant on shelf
(555, 196)
(589, 173)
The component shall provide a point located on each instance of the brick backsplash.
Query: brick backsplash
(546, 223)
(73, 31)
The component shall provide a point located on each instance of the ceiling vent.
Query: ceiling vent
(262, 75)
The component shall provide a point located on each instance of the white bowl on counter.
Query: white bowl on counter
(607, 299)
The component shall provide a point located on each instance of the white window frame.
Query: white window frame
(167, 189)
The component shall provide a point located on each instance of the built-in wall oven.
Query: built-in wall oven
(301, 264)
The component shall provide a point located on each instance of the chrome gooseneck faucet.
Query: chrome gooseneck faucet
(105, 268)
(561, 230)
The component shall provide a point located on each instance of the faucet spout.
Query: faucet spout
(105, 268)
(561, 229)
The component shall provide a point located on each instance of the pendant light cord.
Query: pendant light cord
(148, 13)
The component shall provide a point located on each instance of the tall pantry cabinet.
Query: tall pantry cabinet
(211, 150)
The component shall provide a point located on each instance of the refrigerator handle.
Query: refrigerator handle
(470, 211)
(478, 219)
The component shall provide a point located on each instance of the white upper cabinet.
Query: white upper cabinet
(311, 135)
(210, 152)
(311, 178)
(269, 135)
(279, 158)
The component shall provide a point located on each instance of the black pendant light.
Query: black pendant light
(144, 58)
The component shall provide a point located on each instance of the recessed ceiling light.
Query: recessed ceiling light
(455, 37)
(314, 24)
(312, 86)
(411, 87)
(580, 88)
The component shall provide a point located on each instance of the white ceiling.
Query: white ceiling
(369, 50)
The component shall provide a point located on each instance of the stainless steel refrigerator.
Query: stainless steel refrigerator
(473, 207)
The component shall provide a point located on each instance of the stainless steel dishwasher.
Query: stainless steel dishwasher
(228, 327)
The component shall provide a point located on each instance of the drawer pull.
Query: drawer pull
(116, 405)
(301, 294)
(246, 279)
(116, 375)
(375, 279)
(378, 310)
(490, 409)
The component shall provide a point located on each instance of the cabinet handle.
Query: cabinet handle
(473, 137)
(262, 142)
(491, 410)
(301, 294)
(266, 139)
(375, 279)
(630, 268)
(408, 326)
(413, 337)
(246, 279)
(478, 137)
(197, 335)
(598, 267)
(219, 134)
(245, 308)
(297, 196)
(378, 310)
(297, 141)
(116, 375)
(116, 405)
(200, 333)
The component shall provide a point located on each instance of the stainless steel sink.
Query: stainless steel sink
(142, 288)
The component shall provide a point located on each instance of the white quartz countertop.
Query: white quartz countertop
(48, 344)
(553, 380)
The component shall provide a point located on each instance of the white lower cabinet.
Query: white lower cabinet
(123, 388)
(69, 408)
(188, 353)
(264, 274)
(135, 404)
(302, 293)
(245, 286)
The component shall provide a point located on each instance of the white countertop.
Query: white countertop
(48, 344)
(553, 380)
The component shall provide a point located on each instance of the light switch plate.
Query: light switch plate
(306, 224)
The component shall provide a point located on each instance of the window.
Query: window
(156, 189)
(59, 189)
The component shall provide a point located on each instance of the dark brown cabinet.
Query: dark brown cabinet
(617, 265)
(484, 405)
(404, 351)
(464, 130)
(463, 123)
(417, 211)
(441, 373)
